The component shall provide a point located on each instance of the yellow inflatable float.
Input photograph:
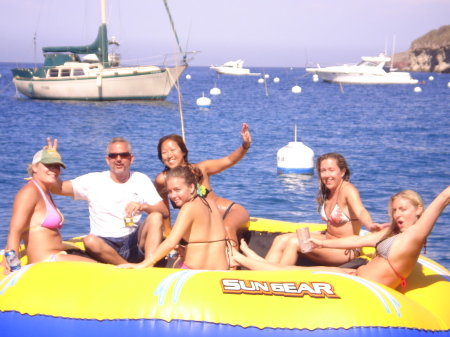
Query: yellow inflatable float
(83, 299)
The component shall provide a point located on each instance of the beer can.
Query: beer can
(12, 259)
(173, 254)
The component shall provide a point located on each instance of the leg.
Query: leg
(276, 251)
(150, 233)
(68, 257)
(101, 251)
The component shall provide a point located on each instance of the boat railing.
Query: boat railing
(163, 61)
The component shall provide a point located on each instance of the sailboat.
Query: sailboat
(98, 76)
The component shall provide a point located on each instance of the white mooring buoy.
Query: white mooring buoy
(215, 91)
(188, 77)
(295, 157)
(296, 89)
(261, 80)
(276, 80)
(417, 89)
(315, 78)
(204, 102)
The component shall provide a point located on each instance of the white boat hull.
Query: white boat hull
(113, 84)
(365, 78)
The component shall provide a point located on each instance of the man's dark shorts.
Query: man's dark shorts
(127, 246)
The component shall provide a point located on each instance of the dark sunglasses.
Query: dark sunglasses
(121, 154)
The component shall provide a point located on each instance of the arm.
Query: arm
(133, 207)
(23, 209)
(182, 225)
(425, 223)
(355, 204)
(160, 185)
(62, 188)
(214, 166)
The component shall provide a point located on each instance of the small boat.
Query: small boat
(368, 71)
(233, 68)
(97, 76)
(55, 299)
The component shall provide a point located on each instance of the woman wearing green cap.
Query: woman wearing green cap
(35, 218)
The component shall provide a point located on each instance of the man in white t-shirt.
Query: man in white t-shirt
(113, 195)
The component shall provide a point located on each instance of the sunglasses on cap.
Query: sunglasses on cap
(121, 154)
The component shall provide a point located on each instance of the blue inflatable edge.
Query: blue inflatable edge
(16, 324)
(284, 170)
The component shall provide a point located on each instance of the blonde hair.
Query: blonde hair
(413, 197)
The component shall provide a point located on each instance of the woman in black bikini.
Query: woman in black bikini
(340, 205)
(199, 223)
(398, 247)
(172, 152)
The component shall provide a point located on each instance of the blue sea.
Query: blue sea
(392, 137)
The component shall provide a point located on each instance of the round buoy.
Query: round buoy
(276, 80)
(215, 91)
(295, 157)
(266, 76)
(296, 89)
(261, 80)
(417, 89)
(315, 78)
(431, 78)
(448, 84)
(203, 102)
(188, 77)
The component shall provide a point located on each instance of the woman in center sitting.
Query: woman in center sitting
(172, 152)
(340, 205)
(199, 223)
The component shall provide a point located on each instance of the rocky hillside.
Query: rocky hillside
(430, 52)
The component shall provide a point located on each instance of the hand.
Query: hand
(5, 265)
(130, 266)
(316, 243)
(376, 227)
(132, 208)
(50, 145)
(245, 133)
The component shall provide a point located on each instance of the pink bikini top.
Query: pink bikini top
(53, 218)
(337, 216)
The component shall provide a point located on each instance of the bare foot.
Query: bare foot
(248, 252)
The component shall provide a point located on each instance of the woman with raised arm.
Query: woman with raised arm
(397, 247)
(199, 223)
(340, 205)
(172, 152)
(35, 218)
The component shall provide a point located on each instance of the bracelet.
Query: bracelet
(151, 258)
(246, 148)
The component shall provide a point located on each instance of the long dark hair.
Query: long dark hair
(177, 139)
(323, 192)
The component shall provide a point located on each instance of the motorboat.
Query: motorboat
(99, 75)
(233, 68)
(369, 71)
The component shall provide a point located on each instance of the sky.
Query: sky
(265, 33)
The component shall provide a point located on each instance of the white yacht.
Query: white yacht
(233, 68)
(368, 71)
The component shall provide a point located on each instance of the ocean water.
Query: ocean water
(392, 138)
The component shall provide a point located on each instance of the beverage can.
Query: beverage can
(12, 259)
(303, 236)
(173, 254)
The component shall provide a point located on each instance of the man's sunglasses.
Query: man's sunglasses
(121, 154)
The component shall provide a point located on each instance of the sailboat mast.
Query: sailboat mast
(103, 36)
